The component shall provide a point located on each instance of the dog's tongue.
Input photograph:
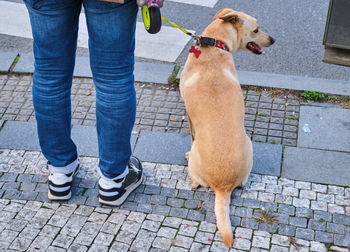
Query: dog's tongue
(255, 48)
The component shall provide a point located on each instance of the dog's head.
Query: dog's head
(249, 35)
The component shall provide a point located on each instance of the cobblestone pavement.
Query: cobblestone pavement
(159, 108)
(164, 214)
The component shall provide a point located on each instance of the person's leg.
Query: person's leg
(55, 29)
(111, 29)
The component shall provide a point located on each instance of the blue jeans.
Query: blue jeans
(111, 28)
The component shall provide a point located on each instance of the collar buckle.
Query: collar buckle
(206, 41)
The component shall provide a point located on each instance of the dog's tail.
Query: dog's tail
(222, 211)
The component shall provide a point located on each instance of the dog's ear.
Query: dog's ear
(232, 17)
(222, 12)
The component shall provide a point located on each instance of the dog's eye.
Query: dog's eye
(256, 30)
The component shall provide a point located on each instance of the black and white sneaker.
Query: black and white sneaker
(60, 183)
(114, 192)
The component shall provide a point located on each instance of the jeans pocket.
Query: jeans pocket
(114, 5)
(50, 4)
(35, 4)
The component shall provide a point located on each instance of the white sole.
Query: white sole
(121, 200)
(52, 197)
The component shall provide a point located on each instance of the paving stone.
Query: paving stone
(286, 209)
(82, 67)
(77, 248)
(162, 243)
(175, 202)
(341, 219)
(207, 227)
(242, 244)
(298, 222)
(178, 212)
(340, 240)
(25, 63)
(153, 72)
(199, 247)
(317, 225)
(20, 244)
(261, 242)
(182, 241)
(162, 210)
(170, 192)
(323, 166)
(19, 135)
(167, 147)
(8, 235)
(280, 240)
(286, 230)
(322, 216)
(244, 212)
(187, 230)
(49, 231)
(303, 233)
(167, 232)
(335, 228)
(267, 158)
(118, 246)
(243, 233)
(63, 241)
(196, 215)
(104, 239)
(41, 242)
(303, 212)
(218, 246)
(9, 177)
(323, 136)
(324, 237)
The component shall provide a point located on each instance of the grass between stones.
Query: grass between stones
(266, 216)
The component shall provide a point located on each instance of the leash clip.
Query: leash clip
(197, 40)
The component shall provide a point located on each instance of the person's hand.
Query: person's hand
(150, 3)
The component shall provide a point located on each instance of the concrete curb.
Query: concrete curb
(292, 82)
(144, 71)
(160, 147)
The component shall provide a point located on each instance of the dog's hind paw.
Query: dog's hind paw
(241, 186)
(187, 155)
(195, 185)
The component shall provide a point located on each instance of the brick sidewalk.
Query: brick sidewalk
(164, 214)
(159, 108)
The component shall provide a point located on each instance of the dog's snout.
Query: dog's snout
(272, 40)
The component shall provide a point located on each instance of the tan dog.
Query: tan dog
(221, 152)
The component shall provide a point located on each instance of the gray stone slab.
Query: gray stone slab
(153, 72)
(23, 136)
(6, 60)
(267, 158)
(317, 166)
(293, 82)
(162, 147)
(171, 148)
(330, 128)
(19, 135)
(144, 71)
(1, 123)
(82, 67)
(85, 138)
(25, 63)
